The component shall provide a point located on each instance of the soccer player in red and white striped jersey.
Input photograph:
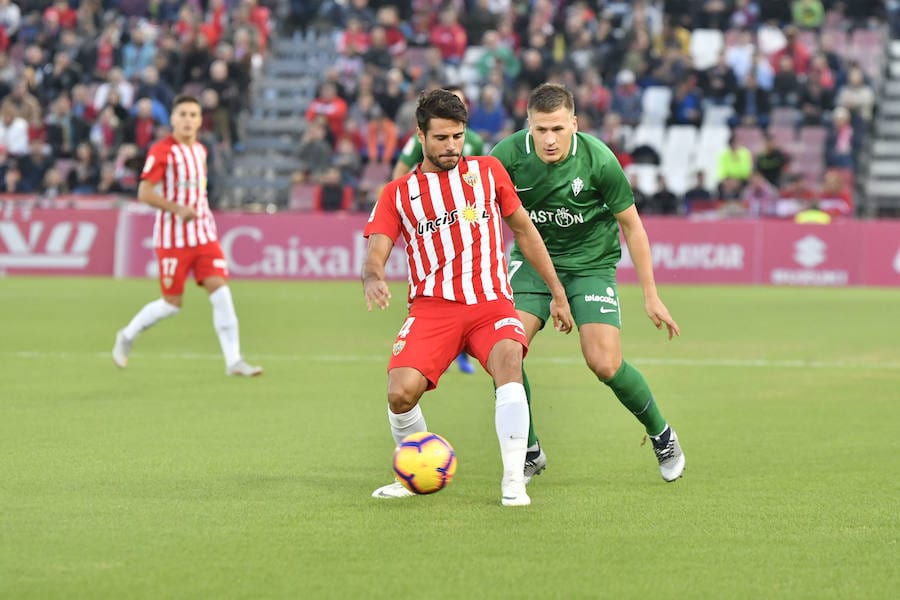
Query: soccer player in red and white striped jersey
(448, 211)
(184, 235)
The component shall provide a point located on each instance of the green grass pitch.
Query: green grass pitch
(169, 480)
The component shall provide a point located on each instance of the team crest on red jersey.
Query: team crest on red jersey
(471, 178)
(398, 347)
(167, 282)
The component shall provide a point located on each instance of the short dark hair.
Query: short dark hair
(184, 99)
(549, 97)
(440, 104)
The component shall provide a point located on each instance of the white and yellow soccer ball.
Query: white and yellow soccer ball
(424, 462)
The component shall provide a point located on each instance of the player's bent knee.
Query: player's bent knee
(603, 368)
(402, 400)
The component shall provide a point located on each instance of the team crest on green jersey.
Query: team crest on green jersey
(577, 185)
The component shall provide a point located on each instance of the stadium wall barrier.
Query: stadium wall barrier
(331, 247)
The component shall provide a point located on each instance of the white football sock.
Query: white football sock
(226, 323)
(149, 316)
(406, 423)
(511, 420)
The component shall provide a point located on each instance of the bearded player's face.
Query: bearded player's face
(552, 133)
(442, 145)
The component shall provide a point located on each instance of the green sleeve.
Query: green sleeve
(411, 153)
(612, 181)
(477, 144)
(502, 151)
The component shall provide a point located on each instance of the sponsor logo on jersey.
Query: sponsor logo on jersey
(469, 215)
(598, 298)
(577, 185)
(561, 217)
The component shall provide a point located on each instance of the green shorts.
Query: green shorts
(593, 298)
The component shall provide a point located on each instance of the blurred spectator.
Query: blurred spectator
(378, 55)
(389, 95)
(735, 167)
(479, 19)
(314, 152)
(229, 99)
(109, 183)
(760, 196)
(346, 159)
(216, 117)
(836, 197)
(786, 88)
(151, 86)
(34, 166)
(10, 17)
(12, 180)
(640, 198)
(140, 129)
(751, 106)
(808, 14)
(106, 133)
(718, 83)
(778, 11)
(740, 55)
(763, 71)
(497, 55)
(812, 215)
(686, 107)
(54, 183)
(626, 100)
(745, 15)
(715, 14)
(857, 96)
(354, 39)
(99, 58)
(84, 175)
(13, 130)
(82, 105)
(533, 71)
(27, 105)
(697, 193)
(816, 103)
(771, 161)
(138, 53)
(197, 60)
(821, 71)
(388, 17)
(794, 48)
(841, 144)
(488, 117)
(672, 36)
(330, 105)
(449, 37)
(381, 136)
(116, 81)
(664, 201)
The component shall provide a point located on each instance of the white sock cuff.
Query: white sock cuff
(403, 419)
(166, 310)
(223, 294)
(510, 393)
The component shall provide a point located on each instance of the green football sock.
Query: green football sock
(532, 438)
(632, 390)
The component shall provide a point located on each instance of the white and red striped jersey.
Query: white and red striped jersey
(451, 222)
(179, 172)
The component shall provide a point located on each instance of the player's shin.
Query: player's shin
(511, 420)
(149, 316)
(532, 436)
(225, 322)
(632, 390)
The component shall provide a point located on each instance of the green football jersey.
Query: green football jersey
(411, 153)
(573, 202)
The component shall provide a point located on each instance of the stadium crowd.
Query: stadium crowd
(86, 86)
(770, 99)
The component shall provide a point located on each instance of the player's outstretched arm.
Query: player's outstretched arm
(375, 286)
(532, 246)
(639, 247)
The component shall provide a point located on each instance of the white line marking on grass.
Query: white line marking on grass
(357, 358)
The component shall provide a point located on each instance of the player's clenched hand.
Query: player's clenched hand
(659, 314)
(377, 293)
(187, 213)
(562, 315)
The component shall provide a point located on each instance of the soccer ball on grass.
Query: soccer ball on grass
(424, 462)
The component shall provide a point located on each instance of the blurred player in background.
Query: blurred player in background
(574, 190)
(411, 155)
(448, 211)
(174, 182)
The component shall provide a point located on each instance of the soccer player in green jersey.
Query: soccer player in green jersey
(411, 155)
(577, 195)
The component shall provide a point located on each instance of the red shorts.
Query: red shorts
(437, 330)
(174, 263)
